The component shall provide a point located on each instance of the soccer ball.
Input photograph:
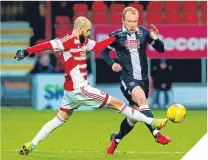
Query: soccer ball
(176, 113)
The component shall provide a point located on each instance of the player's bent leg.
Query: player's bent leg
(139, 97)
(49, 127)
(126, 126)
(131, 114)
(115, 138)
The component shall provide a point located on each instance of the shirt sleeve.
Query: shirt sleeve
(157, 44)
(111, 46)
(57, 44)
(90, 45)
(62, 44)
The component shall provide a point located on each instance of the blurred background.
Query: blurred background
(177, 76)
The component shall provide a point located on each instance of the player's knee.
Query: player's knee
(141, 101)
(65, 115)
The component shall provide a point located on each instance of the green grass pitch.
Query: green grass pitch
(86, 136)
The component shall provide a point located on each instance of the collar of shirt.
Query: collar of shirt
(124, 29)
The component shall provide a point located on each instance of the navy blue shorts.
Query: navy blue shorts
(127, 86)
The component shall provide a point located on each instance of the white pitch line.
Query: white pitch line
(85, 151)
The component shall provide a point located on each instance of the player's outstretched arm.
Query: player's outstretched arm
(21, 54)
(103, 44)
(56, 44)
(154, 40)
(98, 46)
(106, 56)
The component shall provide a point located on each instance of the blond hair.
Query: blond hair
(129, 9)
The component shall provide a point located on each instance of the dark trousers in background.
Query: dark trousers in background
(157, 100)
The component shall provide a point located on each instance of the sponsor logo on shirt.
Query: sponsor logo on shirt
(130, 44)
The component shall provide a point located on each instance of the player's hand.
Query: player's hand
(116, 67)
(154, 33)
(21, 54)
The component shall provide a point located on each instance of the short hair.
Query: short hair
(129, 9)
(81, 22)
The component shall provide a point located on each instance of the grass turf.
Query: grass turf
(86, 136)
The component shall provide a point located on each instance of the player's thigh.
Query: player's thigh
(68, 102)
(138, 96)
(127, 94)
(135, 91)
(92, 97)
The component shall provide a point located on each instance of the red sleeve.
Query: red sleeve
(40, 47)
(103, 44)
(57, 44)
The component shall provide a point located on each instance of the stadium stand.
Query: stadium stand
(154, 18)
(80, 8)
(99, 7)
(15, 35)
(190, 18)
(172, 18)
(117, 8)
(99, 12)
(116, 19)
(172, 6)
(189, 6)
(99, 19)
(62, 20)
(155, 7)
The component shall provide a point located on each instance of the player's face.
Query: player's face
(85, 33)
(163, 65)
(131, 22)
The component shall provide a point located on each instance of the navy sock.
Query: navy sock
(125, 128)
(148, 113)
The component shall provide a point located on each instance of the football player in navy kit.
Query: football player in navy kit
(132, 63)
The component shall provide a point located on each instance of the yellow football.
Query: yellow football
(176, 113)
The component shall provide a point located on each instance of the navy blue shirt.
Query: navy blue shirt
(131, 52)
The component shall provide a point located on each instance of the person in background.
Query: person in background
(162, 82)
(43, 65)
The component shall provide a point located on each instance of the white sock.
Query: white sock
(47, 129)
(131, 122)
(155, 132)
(134, 114)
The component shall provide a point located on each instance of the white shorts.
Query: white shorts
(85, 96)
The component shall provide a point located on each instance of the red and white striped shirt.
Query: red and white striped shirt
(74, 57)
(74, 60)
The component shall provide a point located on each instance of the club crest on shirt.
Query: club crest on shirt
(132, 84)
(76, 41)
(130, 44)
(102, 92)
(139, 33)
